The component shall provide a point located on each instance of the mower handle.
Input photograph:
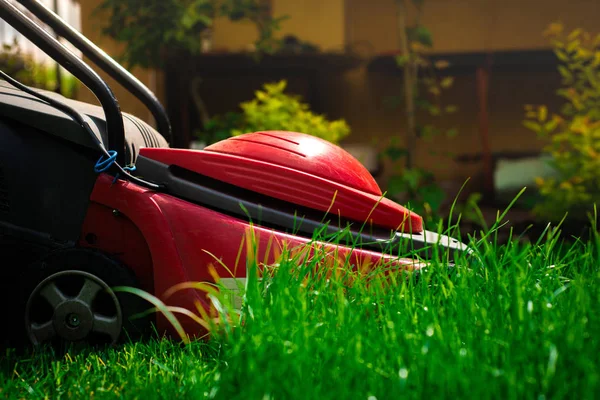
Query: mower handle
(42, 39)
(105, 62)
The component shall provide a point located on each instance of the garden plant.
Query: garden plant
(571, 134)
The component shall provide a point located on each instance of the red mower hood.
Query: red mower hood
(297, 168)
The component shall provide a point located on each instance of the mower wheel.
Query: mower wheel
(73, 306)
(69, 299)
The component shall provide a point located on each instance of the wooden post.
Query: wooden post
(409, 83)
(483, 79)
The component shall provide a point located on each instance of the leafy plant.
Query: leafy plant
(572, 133)
(272, 109)
(423, 84)
(259, 13)
(220, 127)
(423, 89)
(414, 187)
(153, 27)
(150, 27)
(24, 68)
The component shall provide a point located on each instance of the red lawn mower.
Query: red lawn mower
(92, 198)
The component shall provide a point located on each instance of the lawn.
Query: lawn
(523, 324)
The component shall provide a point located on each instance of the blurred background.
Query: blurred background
(442, 100)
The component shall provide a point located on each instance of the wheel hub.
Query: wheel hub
(73, 320)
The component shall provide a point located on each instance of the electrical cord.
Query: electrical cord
(101, 165)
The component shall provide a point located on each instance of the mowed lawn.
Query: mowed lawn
(523, 324)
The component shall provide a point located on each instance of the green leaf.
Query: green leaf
(421, 35)
(160, 306)
(435, 90)
(402, 60)
(413, 177)
(551, 125)
(424, 36)
(396, 185)
(451, 109)
(433, 195)
(452, 132)
(435, 111)
(534, 126)
(561, 55)
(395, 153)
(575, 34)
(427, 132)
(572, 46)
(542, 113)
(447, 82)
(566, 74)
(260, 95)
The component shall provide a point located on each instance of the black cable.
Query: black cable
(81, 121)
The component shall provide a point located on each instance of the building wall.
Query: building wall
(471, 25)
(369, 25)
(318, 21)
(459, 26)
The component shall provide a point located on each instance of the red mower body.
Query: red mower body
(299, 169)
(168, 241)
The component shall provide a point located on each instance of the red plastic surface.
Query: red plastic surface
(184, 239)
(120, 238)
(299, 169)
(301, 152)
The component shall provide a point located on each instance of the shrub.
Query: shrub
(152, 29)
(273, 110)
(573, 133)
(24, 68)
(148, 28)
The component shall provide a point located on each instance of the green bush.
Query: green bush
(273, 110)
(23, 67)
(219, 127)
(152, 29)
(415, 187)
(573, 133)
(148, 28)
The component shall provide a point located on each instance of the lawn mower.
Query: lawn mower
(92, 198)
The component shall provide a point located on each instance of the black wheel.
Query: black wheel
(73, 306)
(68, 298)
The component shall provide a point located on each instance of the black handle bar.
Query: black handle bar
(48, 44)
(105, 62)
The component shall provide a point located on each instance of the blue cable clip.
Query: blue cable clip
(132, 168)
(103, 165)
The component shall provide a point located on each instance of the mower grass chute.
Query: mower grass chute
(92, 198)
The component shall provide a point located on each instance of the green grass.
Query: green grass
(525, 324)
